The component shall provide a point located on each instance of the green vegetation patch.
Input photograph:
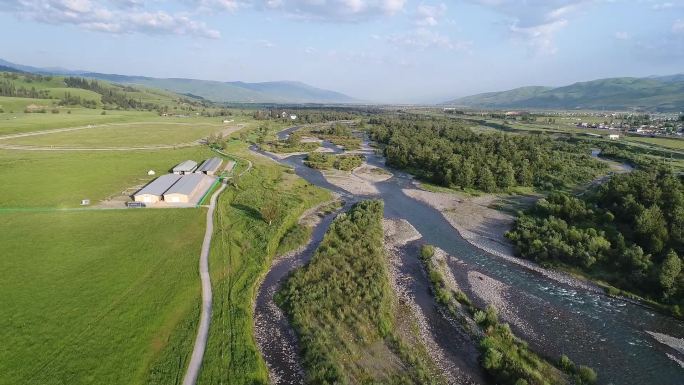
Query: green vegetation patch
(341, 305)
(323, 161)
(99, 297)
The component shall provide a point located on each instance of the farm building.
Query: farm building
(210, 166)
(187, 188)
(613, 136)
(154, 191)
(186, 167)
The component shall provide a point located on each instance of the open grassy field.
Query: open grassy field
(243, 246)
(63, 178)
(125, 134)
(98, 297)
(669, 143)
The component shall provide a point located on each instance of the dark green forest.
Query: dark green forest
(448, 153)
(628, 232)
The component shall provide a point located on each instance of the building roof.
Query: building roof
(187, 166)
(159, 185)
(186, 185)
(211, 164)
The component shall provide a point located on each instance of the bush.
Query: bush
(427, 252)
(55, 111)
(586, 375)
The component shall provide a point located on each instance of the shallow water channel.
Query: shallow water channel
(592, 329)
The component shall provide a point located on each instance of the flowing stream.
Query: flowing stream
(608, 334)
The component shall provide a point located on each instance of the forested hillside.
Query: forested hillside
(629, 232)
(88, 93)
(448, 153)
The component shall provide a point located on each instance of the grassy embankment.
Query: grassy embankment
(503, 355)
(345, 313)
(242, 251)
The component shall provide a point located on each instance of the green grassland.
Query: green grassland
(243, 247)
(125, 134)
(63, 178)
(98, 297)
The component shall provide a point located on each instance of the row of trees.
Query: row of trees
(446, 152)
(8, 88)
(629, 231)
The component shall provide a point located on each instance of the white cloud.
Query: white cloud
(678, 26)
(334, 10)
(429, 15)
(622, 35)
(663, 6)
(536, 21)
(425, 38)
(95, 17)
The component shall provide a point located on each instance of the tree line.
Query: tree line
(448, 153)
(628, 231)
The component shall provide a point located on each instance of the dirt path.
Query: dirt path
(205, 318)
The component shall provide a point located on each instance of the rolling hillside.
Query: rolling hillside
(230, 92)
(664, 93)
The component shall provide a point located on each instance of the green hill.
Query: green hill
(234, 92)
(664, 94)
(89, 93)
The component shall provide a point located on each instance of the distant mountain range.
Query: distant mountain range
(229, 92)
(656, 93)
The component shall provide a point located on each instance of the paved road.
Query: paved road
(205, 317)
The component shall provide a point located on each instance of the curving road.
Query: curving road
(205, 317)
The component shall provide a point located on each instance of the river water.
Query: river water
(592, 329)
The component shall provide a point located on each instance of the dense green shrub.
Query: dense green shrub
(629, 232)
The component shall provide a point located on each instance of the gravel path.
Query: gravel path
(205, 317)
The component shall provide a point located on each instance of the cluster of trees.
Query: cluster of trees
(339, 134)
(341, 302)
(446, 152)
(629, 231)
(503, 355)
(75, 100)
(8, 88)
(323, 161)
(111, 96)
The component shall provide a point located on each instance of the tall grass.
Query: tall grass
(341, 305)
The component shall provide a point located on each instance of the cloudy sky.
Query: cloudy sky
(376, 50)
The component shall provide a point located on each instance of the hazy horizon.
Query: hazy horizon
(386, 51)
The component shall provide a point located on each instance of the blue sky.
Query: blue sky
(375, 50)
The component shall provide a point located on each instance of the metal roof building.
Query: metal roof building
(185, 167)
(210, 166)
(187, 188)
(154, 190)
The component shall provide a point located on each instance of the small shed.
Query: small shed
(186, 167)
(151, 172)
(613, 136)
(155, 190)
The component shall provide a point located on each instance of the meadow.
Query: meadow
(60, 179)
(125, 134)
(98, 297)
